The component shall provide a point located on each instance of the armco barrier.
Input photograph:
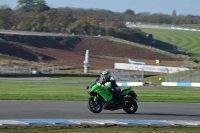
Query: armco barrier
(186, 84)
(99, 122)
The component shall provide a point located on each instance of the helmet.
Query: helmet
(106, 74)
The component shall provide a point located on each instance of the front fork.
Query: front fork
(96, 98)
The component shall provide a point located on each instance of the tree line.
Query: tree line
(36, 15)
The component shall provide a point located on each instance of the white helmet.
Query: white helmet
(106, 74)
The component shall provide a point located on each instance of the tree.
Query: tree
(129, 12)
(25, 5)
(174, 20)
(7, 18)
(128, 15)
(41, 6)
(93, 20)
(32, 5)
(174, 13)
(110, 31)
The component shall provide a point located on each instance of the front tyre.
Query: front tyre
(94, 106)
(130, 105)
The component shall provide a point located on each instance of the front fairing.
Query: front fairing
(95, 88)
(91, 86)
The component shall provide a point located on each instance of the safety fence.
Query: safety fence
(124, 77)
(28, 70)
(183, 76)
(188, 76)
(128, 75)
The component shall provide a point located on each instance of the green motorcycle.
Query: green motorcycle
(102, 95)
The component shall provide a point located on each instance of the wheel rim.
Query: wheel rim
(94, 105)
(129, 105)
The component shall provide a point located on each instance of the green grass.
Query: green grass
(58, 90)
(189, 40)
(169, 95)
(155, 79)
(99, 128)
(195, 26)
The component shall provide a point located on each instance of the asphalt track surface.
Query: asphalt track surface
(27, 109)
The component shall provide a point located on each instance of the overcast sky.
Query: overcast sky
(153, 6)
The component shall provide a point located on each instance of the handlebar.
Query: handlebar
(97, 79)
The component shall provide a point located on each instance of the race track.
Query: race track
(19, 109)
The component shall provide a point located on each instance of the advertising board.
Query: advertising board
(149, 68)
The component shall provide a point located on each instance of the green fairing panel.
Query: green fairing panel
(126, 92)
(103, 91)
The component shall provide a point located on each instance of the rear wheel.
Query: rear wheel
(130, 105)
(94, 106)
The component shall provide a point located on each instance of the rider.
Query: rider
(107, 78)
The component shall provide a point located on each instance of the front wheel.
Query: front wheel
(130, 105)
(94, 106)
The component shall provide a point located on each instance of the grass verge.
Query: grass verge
(99, 128)
(188, 40)
(68, 89)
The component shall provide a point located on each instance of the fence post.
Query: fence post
(178, 75)
(142, 75)
(190, 75)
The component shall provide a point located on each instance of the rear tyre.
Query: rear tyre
(94, 106)
(130, 105)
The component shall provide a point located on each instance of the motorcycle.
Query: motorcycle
(102, 95)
